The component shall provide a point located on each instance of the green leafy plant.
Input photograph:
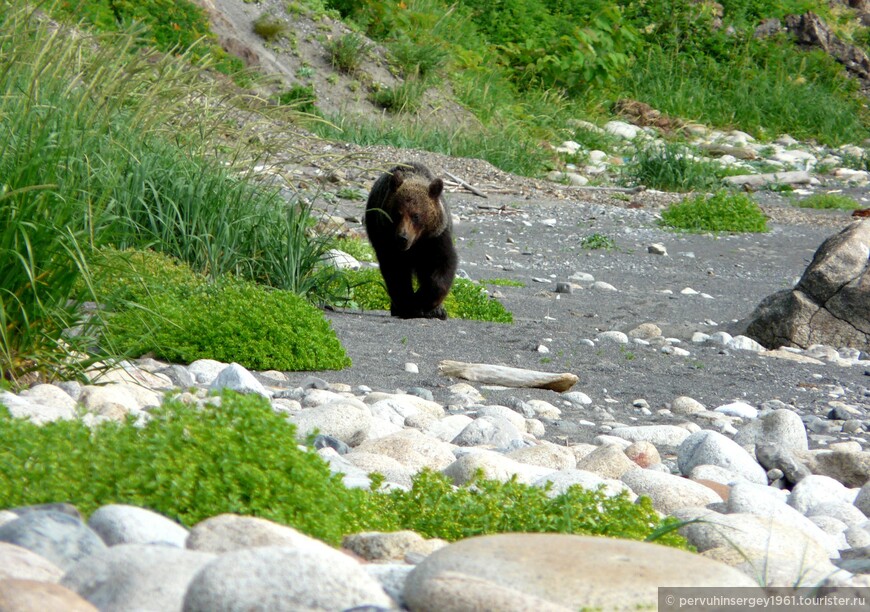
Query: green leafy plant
(466, 300)
(402, 98)
(502, 282)
(835, 201)
(160, 307)
(346, 52)
(191, 463)
(598, 241)
(670, 168)
(301, 97)
(722, 212)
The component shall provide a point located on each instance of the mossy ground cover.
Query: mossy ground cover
(240, 457)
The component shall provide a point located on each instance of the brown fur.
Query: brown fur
(409, 227)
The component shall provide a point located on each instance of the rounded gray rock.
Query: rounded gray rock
(282, 579)
(135, 577)
(122, 524)
(707, 447)
(62, 539)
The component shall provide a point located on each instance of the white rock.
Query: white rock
(516, 419)
(670, 436)
(239, 379)
(224, 533)
(815, 490)
(19, 563)
(389, 468)
(563, 479)
(721, 337)
(490, 431)
(122, 524)
(710, 447)
(543, 409)
(205, 371)
(668, 492)
(38, 413)
(449, 427)
(686, 405)
(132, 577)
(340, 260)
(743, 343)
(840, 510)
(345, 419)
(495, 466)
(613, 336)
(751, 499)
(546, 454)
(602, 286)
(577, 398)
(622, 129)
(412, 449)
(283, 580)
(738, 409)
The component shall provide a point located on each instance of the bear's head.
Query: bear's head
(417, 208)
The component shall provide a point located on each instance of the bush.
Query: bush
(828, 201)
(240, 457)
(466, 300)
(721, 212)
(598, 241)
(402, 98)
(670, 168)
(347, 52)
(166, 309)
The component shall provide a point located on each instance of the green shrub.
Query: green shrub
(828, 200)
(358, 248)
(402, 98)
(193, 463)
(347, 52)
(301, 97)
(721, 212)
(502, 282)
(269, 27)
(419, 59)
(259, 328)
(670, 168)
(466, 300)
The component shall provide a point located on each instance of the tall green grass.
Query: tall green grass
(89, 133)
(765, 91)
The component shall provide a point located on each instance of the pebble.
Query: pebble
(128, 557)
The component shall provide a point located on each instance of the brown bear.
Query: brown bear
(410, 229)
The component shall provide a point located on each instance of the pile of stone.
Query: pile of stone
(758, 504)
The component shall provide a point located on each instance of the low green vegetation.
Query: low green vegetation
(466, 300)
(158, 306)
(347, 52)
(598, 241)
(120, 156)
(670, 168)
(502, 282)
(835, 201)
(193, 463)
(724, 211)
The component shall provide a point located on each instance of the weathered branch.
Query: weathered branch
(508, 377)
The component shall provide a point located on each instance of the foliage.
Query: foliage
(466, 300)
(169, 25)
(301, 97)
(420, 59)
(187, 463)
(240, 457)
(828, 201)
(598, 241)
(670, 168)
(158, 306)
(435, 509)
(347, 52)
(722, 212)
(358, 248)
(404, 97)
(502, 282)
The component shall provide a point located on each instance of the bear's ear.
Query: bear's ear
(435, 188)
(397, 179)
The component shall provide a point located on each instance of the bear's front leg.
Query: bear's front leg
(397, 276)
(435, 273)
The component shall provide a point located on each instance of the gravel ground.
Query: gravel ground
(537, 240)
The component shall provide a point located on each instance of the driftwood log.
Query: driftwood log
(507, 377)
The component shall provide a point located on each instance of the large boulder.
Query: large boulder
(829, 304)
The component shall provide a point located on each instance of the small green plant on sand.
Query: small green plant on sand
(502, 282)
(598, 241)
(670, 168)
(722, 212)
(347, 52)
(835, 201)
